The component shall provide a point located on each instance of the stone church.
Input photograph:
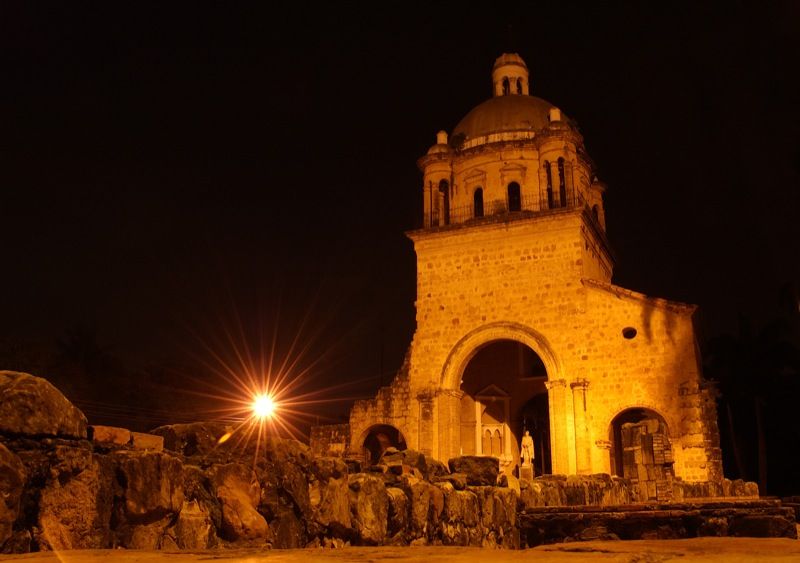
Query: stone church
(519, 326)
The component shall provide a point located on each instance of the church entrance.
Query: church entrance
(504, 395)
(641, 451)
(378, 439)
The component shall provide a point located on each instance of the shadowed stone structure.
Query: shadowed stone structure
(519, 326)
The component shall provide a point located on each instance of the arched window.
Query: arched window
(506, 87)
(487, 442)
(549, 173)
(477, 202)
(444, 189)
(497, 444)
(562, 184)
(514, 198)
(519, 86)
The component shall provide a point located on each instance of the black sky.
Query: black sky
(168, 169)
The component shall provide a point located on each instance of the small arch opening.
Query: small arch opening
(477, 202)
(549, 173)
(596, 212)
(506, 87)
(519, 86)
(562, 183)
(514, 197)
(629, 333)
(379, 438)
(444, 189)
(642, 452)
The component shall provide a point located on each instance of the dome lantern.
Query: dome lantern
(510, 76)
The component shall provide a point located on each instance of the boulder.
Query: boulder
(12, 479)
(238, 491)
(458, 480)
(194, 439)
(398, 514)
(427, 466)
(32, 406)
(75, 505)
(330, 502)
(479, 470)
(194, 528)
(147, 442)
(151, 483)
(369, 507)
(110, 435)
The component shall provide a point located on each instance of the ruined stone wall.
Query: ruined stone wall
(331, 440)
(393, 405)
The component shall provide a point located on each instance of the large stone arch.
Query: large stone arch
(468, 346)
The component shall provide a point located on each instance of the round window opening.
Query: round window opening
(629, 332)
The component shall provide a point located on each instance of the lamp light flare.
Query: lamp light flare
(263, 406)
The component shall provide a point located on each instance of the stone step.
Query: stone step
(761, 518)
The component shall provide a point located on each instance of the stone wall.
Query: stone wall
(331, 440)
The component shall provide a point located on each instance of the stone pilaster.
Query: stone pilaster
(582, 443)
(449, 401)
(559, 437)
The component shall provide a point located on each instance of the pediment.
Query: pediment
(492, 391)
(475, 177)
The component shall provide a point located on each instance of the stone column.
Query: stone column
(559, 437)
(449, 423)
(427, 423)
(605, 447)
(582, 453)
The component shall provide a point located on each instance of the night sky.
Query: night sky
(173, 173)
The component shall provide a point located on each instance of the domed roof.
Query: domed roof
(505, 113)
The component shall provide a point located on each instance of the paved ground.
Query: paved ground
(717, 550)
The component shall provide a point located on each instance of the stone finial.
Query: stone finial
(441, 138)
(555, 114)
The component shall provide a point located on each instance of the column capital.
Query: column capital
(581, 384)
(603, 444)
(555, 384)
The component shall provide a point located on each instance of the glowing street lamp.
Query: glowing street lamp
(263, 406)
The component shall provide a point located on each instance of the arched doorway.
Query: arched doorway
(504, 394)
(378, 439)
(642, 452)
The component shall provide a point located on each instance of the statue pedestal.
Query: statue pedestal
(526, 472)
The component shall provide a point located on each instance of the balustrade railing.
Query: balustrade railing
(504, 209)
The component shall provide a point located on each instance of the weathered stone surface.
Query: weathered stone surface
(399, 508)
(458, 480)
(330, 502)
(147, 442)
(683, 491)
(12, 478)
(194, 528)
(426, 465)
(237, 488)
(194, 439)
(369, 507)
(575, 490)
(151, 483)
(479, 470)
(75, 505)
(110, 435)
(763, 526)
(33, 406)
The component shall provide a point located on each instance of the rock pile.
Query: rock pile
(65, 485)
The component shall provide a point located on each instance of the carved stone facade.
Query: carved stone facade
(518, 324)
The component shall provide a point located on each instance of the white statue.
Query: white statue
(527, 450)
